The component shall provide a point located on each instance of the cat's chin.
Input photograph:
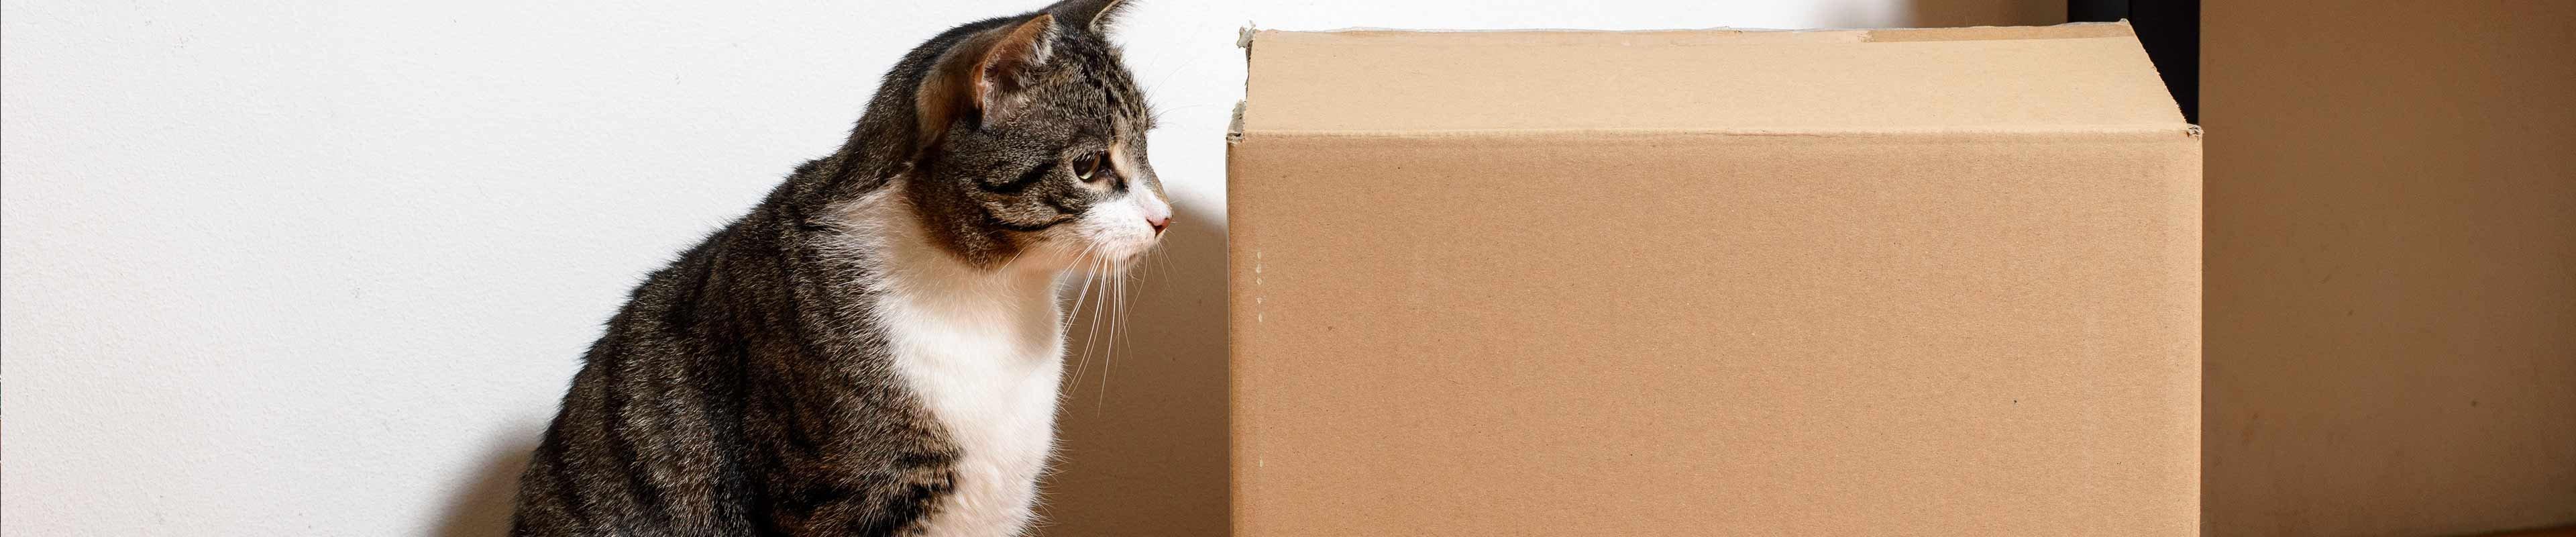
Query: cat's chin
(1085, 259)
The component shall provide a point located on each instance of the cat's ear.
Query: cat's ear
(986, 76)
(1093, 15)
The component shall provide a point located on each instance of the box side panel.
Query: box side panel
(1674, 335)
(1609, 80)
(2392, 267)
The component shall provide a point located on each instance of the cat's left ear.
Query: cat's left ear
(1093, 15)
(985, 77)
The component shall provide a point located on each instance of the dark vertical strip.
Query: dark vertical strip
(2097, 10)
(2170, 31)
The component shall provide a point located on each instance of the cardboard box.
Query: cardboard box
(1930, 282)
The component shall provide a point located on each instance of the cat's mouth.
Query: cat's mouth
(1091, 252)
(1119, 255)
(1103, 243)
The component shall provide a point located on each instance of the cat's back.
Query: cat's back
(648, 440)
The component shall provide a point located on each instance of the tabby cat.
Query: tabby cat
(875, 349)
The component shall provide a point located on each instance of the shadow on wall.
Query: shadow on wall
(1145, 453)
(483, 507)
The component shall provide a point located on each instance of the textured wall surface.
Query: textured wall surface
(324, 268)
(2391, 257)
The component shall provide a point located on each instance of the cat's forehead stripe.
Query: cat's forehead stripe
(1114, 83)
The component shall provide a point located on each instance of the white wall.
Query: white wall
(319, 268)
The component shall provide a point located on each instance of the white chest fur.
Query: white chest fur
(982, 349)
(992, 382)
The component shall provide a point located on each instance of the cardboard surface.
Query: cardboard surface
(1969, 78)
(2392, 267)
(1826, 299)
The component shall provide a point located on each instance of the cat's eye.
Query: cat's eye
(1088, 169)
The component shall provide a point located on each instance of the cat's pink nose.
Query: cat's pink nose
(1158, 223)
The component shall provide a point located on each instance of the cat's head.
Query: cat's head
(1025, 143)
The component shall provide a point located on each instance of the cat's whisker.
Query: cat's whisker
(1083, 361)
(1117, 317)
(1092, 325)
(1162, 256)
(1100, 319)
(1085, 290)
(1092, 332)
(1176, 71)
(1109, 358)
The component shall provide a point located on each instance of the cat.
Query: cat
(875, 349)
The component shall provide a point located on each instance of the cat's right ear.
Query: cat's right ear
(1093, 15)
(984, 79)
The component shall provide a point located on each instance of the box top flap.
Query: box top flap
(2066, 77)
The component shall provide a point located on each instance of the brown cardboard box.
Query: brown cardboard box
(1714, 282)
